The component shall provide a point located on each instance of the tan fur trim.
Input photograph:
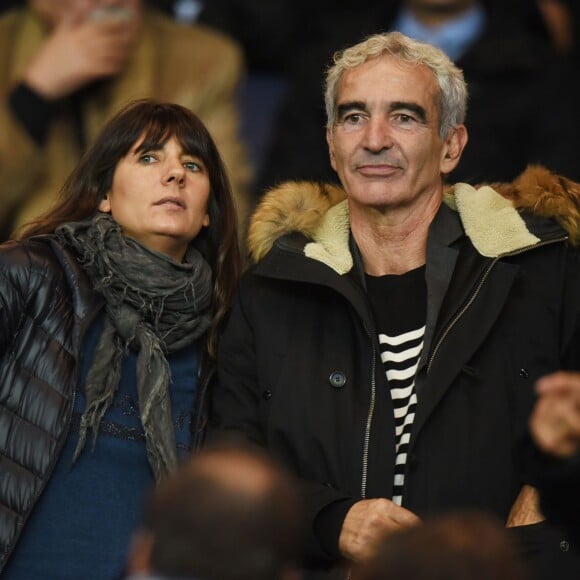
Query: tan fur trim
(490, 220)
(293, 206)
(489, 215)
(548, 195)
(331, 240)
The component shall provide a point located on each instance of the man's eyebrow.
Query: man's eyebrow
(409, 106)
(344, 108)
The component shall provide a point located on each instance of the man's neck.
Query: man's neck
(393, 242)
(435, 15)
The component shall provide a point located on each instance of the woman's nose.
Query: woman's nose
(175, 172)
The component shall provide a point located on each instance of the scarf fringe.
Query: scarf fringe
(154, 306)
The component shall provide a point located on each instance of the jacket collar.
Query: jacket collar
(499, 219)
(491, 221)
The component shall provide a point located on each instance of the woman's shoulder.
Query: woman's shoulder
(28, 249)
(36, 256)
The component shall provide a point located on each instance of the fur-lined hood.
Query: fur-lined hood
(490, 215)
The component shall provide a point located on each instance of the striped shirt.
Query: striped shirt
(400, 355)
(399, 308)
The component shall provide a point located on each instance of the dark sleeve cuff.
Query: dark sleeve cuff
(34, 112)
(328, 525)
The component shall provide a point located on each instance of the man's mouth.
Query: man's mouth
(377, 169)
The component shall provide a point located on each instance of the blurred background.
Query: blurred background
(520, 59)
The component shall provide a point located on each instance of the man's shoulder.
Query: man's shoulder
(537, 208)
(289, 208)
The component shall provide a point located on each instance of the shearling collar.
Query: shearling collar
(493, 216)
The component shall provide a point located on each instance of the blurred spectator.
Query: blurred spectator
(228, 514)
(275, 35)
(66, 66)
(558, 18)
(470, 546)
(554, 461)
(522, 95)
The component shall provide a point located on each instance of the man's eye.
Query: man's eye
(353, 118)
(404, 118)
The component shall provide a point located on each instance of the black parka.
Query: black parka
(300, 371)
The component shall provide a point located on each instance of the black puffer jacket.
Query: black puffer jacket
(46, 304)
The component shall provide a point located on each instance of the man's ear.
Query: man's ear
(105, 204)
(453, 148)
(330, 141)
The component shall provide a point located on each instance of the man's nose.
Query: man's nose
(378, 135)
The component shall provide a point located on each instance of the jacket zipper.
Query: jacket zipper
(451, 324)
(367, 439)
(472, 298)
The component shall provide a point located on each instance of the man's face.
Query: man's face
(385, 143)
(53, 11)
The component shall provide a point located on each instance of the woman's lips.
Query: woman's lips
(171, 201)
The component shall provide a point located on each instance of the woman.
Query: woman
(109, 310)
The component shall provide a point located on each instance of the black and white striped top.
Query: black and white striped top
(399, 308)
(400, 355)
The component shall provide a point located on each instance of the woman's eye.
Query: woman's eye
(193, 166)
(147, 158)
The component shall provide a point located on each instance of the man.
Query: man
(508, 61)
(385, 347)
(66, 66)
(228, 514)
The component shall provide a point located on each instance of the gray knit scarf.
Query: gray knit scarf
(154, 306)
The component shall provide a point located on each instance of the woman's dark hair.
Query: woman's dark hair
(155, 123)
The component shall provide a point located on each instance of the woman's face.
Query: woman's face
(160, 197)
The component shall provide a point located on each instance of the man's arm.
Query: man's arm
(237, 411)
(336, 524)
(367, 522)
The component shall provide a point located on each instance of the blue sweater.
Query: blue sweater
(81, 526)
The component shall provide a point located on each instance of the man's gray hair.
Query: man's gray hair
(453, 90)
